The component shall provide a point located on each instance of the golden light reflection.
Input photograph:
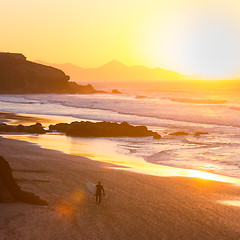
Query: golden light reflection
(235, 203)
(27, 119)
(97, 149)
(166, 171)
(214, 177)
(208, 176)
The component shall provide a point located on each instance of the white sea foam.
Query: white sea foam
(218, 151)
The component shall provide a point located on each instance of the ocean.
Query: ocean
(165, 110)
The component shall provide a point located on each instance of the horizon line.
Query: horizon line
(206, 77)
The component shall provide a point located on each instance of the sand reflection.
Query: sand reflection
(105, 150)
(235, 203)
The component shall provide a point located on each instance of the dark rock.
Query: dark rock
(178, 133)
(115, 91)
(140, 96)
(83, 89)
(199, 133)
(36, 128)
(9, 189)
(156, 135)
(60, 127)
(17, 75)
(103, 129)
(20, 128)
(7, 128)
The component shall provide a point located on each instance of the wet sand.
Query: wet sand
(136, 206)
(17, 119)
(27, 119)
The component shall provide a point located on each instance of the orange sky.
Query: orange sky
(187, 36)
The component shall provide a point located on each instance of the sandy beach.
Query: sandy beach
(139, 96)
(136, 206)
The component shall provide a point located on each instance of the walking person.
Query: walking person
(99, 191)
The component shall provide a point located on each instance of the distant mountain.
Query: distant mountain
(117, 71)
(17, 75)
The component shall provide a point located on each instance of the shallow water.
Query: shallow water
(110, 151)
(164, 111)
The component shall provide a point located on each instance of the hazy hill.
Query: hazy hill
(116, 71)
(17, 75)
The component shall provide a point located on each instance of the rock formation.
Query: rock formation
(103, 129)
(19, 76)
(36, 128)
(197, 134)
(115, 91)
(178, 133)
(9, 189)
(86, 129)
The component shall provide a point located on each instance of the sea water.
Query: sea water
(215, 112)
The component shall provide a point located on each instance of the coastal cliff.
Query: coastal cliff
(19, 76)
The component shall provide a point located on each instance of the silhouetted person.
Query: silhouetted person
(99, 191)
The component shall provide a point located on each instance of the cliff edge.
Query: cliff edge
(19, 76)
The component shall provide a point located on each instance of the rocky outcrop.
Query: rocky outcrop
(140, 96)
(76, 88)
(103, 129)
(197, 134)
(10, 191)
(115, 91)
(86, 129)
(17, 75)
(178, 134)
(36, 128)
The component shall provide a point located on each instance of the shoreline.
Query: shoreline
(136, 205)
(120, 162)
(27, 118)
(173, 207)
(132, 163)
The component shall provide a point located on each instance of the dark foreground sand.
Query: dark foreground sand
(136, 206)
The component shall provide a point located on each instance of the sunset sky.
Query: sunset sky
(187, 36)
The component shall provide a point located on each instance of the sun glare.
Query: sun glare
(235, 203)
(210, 46)
(193, 43)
